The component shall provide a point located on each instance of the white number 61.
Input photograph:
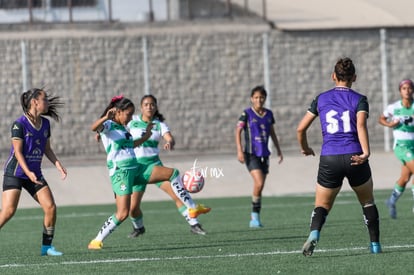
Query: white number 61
(333, 123)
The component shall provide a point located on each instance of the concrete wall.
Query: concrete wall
(202, 77)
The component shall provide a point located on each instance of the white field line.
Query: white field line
(171, 209)
(179, 258)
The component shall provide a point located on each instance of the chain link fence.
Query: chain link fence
(75, 11)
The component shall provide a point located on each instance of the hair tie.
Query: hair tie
(406, 81)
(117, 98)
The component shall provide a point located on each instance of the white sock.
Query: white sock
(191, 221)
(137, 222)
(107, 228)
(179, 190)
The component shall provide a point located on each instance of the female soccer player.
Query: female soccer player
(148, 155)
(30, 135)
(345, 151)
(399, 117)
(257, 124)
(124, 169)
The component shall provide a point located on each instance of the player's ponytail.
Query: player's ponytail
(53, 101)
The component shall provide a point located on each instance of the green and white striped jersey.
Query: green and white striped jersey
(403, 132)
(149, 149)
(119, 146)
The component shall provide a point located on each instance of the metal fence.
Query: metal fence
(70, 11)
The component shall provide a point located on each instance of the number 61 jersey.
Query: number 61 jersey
(337, 109)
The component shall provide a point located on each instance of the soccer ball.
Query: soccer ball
(193, 181)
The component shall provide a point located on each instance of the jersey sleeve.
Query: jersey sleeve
(164, 128)
(17, 130)
(271, 116)
(363, 105)
(241, 123)
(313, 108)
(389, 111)
(47, 123)
(106, 126)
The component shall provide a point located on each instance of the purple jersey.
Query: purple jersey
(256, 131)
(337, 110)
(34, 143)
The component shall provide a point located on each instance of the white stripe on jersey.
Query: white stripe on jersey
(150, 147)
(118, 144)
(396, 111)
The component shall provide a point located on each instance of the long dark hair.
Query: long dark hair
(54, 103)
(120, 103)
(157, 114)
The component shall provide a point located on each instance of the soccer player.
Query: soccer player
(30, 137)
(345, 151)
(257, 123)
(148, 155)
(124, 167)
(399, 117)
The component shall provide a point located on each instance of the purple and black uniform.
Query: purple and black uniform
(337, 109)
(256, 133)
(34, 143)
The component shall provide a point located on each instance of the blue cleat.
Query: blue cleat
(48, 250)
(375, 248)
(392, 209)
(255, 220)
(310, 244)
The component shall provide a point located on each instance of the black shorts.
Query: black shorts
(17, 183)
(333, 170)
(254, 162)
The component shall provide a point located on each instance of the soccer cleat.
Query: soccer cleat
(255, 224)
(375, 248)
(197, 229)
(310, 244)
(95, 245)
(308, 247)
(48, 250)
(199, 209)
(392, 209)
(255, 220)
(136, 232)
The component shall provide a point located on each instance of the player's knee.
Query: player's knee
(404, 179)
(49, 209)
(8, 213)
(121, 215)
